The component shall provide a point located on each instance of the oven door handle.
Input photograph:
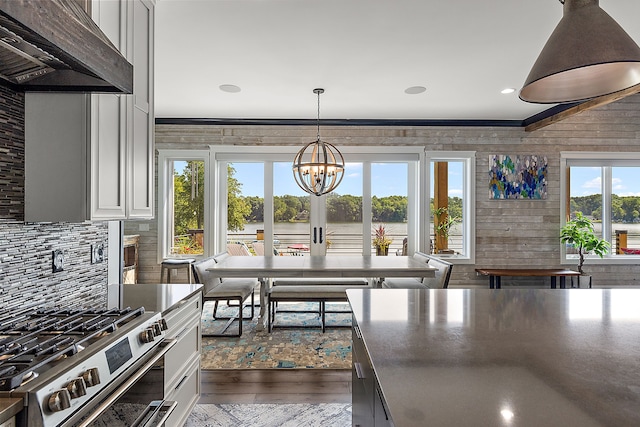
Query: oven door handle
(149, 415)
(166, 345)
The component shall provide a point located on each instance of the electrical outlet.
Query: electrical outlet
(97, 253)
(57, 260)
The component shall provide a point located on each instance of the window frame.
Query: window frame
(165, 193)
(468, 159)
(605, 161)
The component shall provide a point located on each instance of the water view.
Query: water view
(346, 238)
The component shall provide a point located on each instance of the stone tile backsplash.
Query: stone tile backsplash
(26, 273)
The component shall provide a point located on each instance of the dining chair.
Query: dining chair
(440, 281)
(258, 248)
(403, 250)
(238, 249)
(218, 289)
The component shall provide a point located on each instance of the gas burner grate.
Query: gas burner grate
(36, 338)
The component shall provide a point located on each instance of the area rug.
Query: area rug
(289, 347)
(271, 415)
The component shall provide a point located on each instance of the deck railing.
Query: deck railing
(340, 244)
(344, 243)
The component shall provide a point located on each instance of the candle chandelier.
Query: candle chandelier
(318, 167)
(587, 55)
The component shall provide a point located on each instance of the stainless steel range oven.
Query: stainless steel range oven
(74, 368)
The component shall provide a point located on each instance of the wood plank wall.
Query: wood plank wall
(508, 232)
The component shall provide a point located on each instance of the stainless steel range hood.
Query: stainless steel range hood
(54, 45)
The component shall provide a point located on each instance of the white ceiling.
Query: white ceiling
(364, 53)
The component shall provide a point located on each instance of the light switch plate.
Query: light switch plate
(57, 260)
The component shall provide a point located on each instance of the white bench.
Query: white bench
(319, 290)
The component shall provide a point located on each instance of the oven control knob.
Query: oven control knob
(147, 335)
(163, 324)
(59, 400)
(77, 388)
(157, 329)
(91, 377)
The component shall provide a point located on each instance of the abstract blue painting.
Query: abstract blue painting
(517, 177)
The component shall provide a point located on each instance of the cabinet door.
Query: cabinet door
(140, 150)
(362, 382)
(108, 127)
(380, 412)
(108, 142)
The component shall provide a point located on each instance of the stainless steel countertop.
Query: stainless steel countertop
(157, 297)
(472, 357)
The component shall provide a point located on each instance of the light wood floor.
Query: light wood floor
(276, 386)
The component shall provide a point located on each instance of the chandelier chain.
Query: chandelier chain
(318, 116)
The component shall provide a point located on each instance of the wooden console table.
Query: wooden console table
(495, 275)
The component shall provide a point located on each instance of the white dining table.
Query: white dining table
(270, 267)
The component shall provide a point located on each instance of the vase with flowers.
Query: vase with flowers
(381, 241)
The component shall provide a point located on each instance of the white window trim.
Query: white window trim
(165, 184)
(597, 159)
(468, 158)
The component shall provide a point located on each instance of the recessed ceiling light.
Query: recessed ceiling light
(414, 90)
(229, 88)
(507, 90)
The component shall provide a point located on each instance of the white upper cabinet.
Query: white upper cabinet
(91, 156)
(140, 150)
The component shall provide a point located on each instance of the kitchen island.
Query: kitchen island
(470, 357)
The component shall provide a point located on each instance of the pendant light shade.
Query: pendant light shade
(587, 55)
(318, 167)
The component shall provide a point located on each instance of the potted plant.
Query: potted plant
(381, 241)
(442, 227)
(579, 233)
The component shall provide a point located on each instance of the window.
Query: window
(451, 217)
(199, 192)
(605, 188)
(183, 219)
(380, 185)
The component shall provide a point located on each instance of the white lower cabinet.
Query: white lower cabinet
(182, 362)
(186, 393)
